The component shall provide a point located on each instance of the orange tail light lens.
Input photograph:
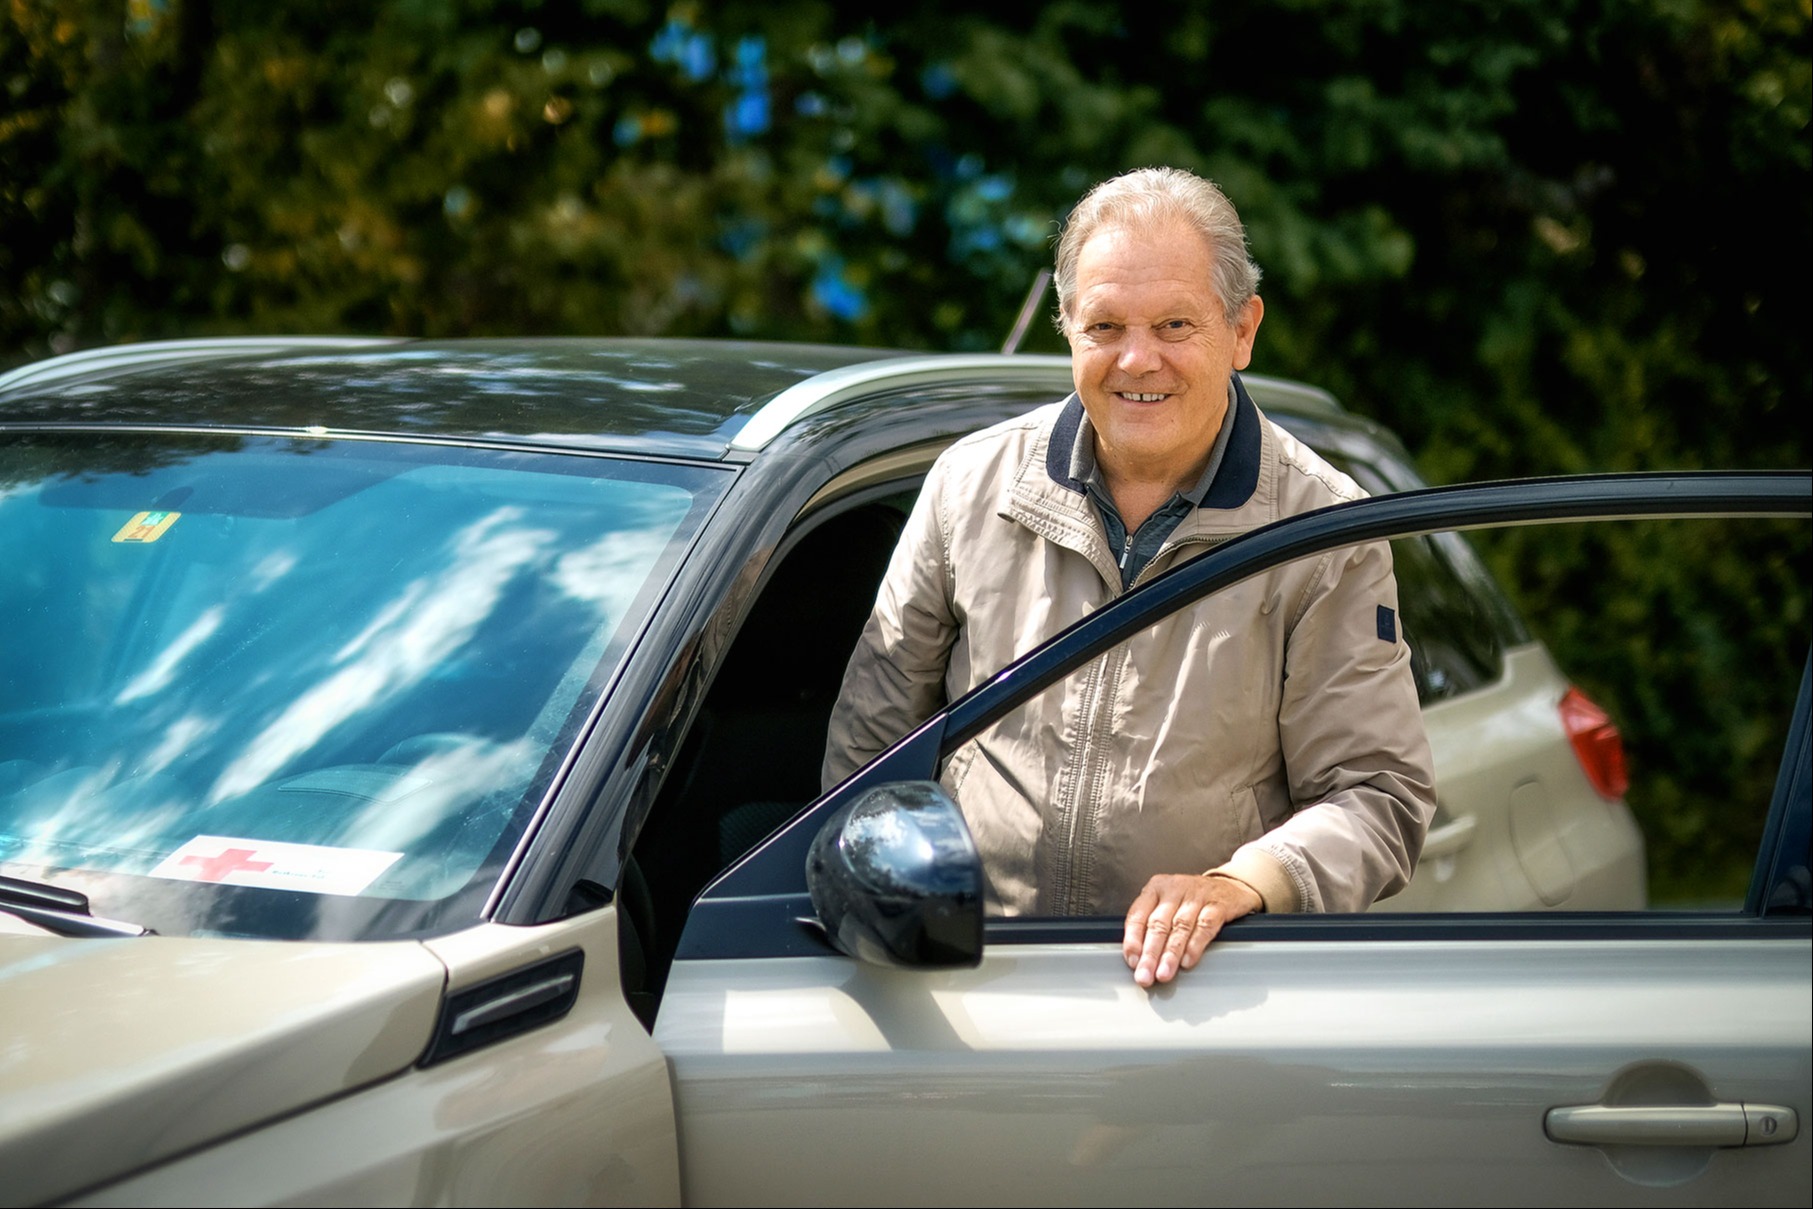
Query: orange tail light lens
(1597, 744)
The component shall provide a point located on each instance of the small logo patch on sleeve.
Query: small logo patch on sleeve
(1388, 624)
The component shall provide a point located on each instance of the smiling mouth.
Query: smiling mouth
(1137, 397)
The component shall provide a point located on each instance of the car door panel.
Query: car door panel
(1277, 1072)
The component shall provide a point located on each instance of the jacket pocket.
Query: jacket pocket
(1247, 818)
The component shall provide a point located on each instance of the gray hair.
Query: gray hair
(1148, 197)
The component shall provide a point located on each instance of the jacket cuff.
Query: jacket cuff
(1264, 874)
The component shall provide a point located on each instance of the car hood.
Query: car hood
(120, 1053)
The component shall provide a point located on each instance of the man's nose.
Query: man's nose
(1139, 352)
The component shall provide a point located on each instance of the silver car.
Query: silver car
(408, 794)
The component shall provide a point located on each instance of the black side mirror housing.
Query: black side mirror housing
(896, 879)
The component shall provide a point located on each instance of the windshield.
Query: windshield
(280, 687)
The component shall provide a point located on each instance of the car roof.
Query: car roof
(709, 399)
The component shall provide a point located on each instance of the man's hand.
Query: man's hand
(1175, 917)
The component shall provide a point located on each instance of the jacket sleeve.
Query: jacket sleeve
(1355, 751)
(895, 678)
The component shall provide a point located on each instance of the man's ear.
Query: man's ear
(1246, 330)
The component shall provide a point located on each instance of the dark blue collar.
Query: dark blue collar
(1234, 483)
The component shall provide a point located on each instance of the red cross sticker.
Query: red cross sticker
(233, 860)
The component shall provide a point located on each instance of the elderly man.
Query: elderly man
(1261, 751)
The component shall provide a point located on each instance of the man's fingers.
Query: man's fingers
(1186, 921)
(1194, 926)
(1152, 957)
(1159, 926)
(1133, 941)
(1208, 926)
(1171, 923)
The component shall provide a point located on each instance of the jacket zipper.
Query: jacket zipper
(1083, 789)
(1075, 863)
(1080, 796)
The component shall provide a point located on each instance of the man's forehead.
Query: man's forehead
(1165, 263)
(1116, 294)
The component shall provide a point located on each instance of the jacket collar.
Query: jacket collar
(1047, 500)
(1235, 482)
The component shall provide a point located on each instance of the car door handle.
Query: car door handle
(1449, 838)
(1672, 1125)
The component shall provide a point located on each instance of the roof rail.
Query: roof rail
(1291, 395)
(118, 356)
(836, 386)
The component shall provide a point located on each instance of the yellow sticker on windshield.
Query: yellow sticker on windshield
(146, 527)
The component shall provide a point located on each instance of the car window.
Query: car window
(1620, 757)
(1457, 643)
(281, 687)
(1540, 808)
(1696, 675)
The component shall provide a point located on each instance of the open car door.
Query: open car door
(1615, 1057)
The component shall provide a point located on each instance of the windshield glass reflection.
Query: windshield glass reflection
(247, 677)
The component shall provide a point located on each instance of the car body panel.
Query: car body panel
(577, 1112)
(122, 1053)
(1369, 1072)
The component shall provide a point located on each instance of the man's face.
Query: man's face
(1152, 350)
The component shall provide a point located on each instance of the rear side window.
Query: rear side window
(1457, 639)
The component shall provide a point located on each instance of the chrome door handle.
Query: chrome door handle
(1449, 838)
(1672, 1125)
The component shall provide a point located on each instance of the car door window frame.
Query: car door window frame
(759, 907)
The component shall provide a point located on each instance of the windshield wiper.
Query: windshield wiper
(59, 910)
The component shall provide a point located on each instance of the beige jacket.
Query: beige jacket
(1271, 731)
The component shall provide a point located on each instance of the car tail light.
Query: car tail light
(1597, 744)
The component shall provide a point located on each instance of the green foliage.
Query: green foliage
(1533, 236)
(1692, 634)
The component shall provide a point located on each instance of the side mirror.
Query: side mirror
(896, 879)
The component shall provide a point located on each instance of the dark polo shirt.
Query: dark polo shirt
(1135, 550)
